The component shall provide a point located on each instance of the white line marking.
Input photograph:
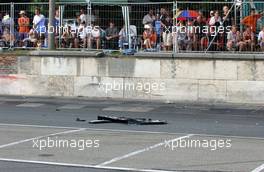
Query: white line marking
(80, 165)
(35, 138)
(142, 150)
(37, 126)
(129, 131)
(71, 107)
(30, 105)
(259, 169)
(128, 109)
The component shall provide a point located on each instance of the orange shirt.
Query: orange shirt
(23, 23)
(251, 21)
(153, 38)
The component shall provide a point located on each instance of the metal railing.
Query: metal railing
(174, 27)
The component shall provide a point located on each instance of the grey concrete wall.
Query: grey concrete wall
(214, 80)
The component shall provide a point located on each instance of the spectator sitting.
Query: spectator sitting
(182, 39)
(149, 18)
(31, 41)
(149, 37)
(191, 37)
(96, 35)
(200, 36)
(261, 39)
(67, 38)
(234, 40)
(249, 39)
(111, 36)
(7, 38)
(23, 23)
(153, 38)
(122, 38)
(81, 36)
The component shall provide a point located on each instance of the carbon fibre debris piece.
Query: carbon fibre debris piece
(99, 121)
(136, 121)
(80, 120)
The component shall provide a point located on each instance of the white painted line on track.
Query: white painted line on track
(259, 169)
(80, 165)
(71, 107)
(38, 126)
(32, 105)
(128, 109)
(129, 131)
(35, 138)
(142, 150)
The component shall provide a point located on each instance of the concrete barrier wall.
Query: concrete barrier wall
(237, 81)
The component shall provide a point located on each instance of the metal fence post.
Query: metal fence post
(174, 29)
(89, 13)
(12, 24)
(241, 14)
(51, 34)
(61, 10)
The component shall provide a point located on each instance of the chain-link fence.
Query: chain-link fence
(178, 26)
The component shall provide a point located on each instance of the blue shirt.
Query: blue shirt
(158, 27)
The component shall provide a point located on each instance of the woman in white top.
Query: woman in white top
(215, 20)
(261, 39)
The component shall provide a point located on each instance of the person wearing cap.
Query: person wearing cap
(149, 37)
(23, 23)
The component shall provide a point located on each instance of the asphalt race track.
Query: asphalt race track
(198, 137)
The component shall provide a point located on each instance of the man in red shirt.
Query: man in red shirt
(23, 23)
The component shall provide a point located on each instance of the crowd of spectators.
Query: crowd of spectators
(216, 32)
(161, 32)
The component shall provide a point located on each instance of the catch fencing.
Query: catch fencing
(179, 26)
